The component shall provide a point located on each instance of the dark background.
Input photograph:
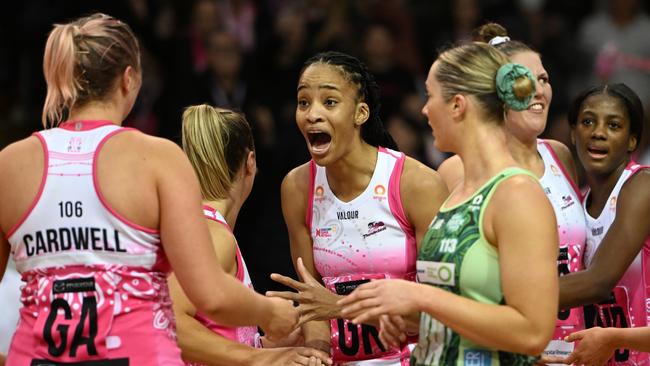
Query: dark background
(246, 55)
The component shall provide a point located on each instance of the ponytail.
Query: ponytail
(59, 69)
(82, 60)
(217, 143)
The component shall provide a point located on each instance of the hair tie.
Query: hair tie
(498, 40)
(505, 80)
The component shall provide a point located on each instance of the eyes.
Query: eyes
(327, 102)
(612, 124)
(543, 79)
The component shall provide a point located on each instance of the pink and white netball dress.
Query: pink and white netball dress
(353, 242)
(95, 283)
(245, 335)
(628, 304)
(571, 226)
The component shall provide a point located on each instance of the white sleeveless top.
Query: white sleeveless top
(79, 256)
(70, 222)
(353, 242)
(629, 302)
(565, 198)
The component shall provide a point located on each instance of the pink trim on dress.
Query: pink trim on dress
(46, 163)
(84, 125)
(310, 197)
(238, 257)
(99, 192)
(214, 218)
(563, 169)
(397, 209)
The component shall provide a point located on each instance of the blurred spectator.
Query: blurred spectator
(239, 18)
(394, 81)
(615, 42)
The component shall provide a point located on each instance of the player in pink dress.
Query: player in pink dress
(606, 125)
(96, 215)
(356, 211)
(219, 144)
(551, 162)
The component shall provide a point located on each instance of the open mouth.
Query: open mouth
(597, 153)
(319, 141)
(536, 107)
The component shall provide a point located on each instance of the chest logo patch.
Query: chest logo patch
(436, 273)
(374, 227)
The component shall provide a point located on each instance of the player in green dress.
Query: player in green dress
(488, 288)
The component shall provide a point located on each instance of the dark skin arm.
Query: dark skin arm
(618, 249)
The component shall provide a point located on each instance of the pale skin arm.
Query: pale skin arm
(451, 171)
(199, 344)
(295, 193)
(526, 323)
(221, 297)
(619, 247)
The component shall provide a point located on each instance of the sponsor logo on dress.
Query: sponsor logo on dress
(555, 170)
(455, 222)
(374, 227)
(476, 203)
(436, 273)
(477, 357)
(567, 201)
(379, 192)
(74, 144)
(597, 231)
(612, 204)
(437, 223)
(325, 232)
(319, 193)
(347, 215)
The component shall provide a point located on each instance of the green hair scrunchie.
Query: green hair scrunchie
(506, 77)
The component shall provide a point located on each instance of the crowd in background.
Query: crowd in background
(247, 55)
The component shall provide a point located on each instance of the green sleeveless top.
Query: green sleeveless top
(456, 256)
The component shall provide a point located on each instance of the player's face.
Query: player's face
(437, 112)
(602, 134)
(327, 112)
(530, 123)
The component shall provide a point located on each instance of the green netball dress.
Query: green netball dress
(456, 256)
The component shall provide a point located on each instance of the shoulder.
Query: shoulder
(636, 187)
(20, 153)
(419, 177)
(153, 151)
(224, 243)
(451, 171)
(562, 151)
(297, 180)
(520, 188)
(565, 158)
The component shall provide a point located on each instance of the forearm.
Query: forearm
(199, 344)
(494, 326)
(582, 288)
(238, 305)
(630, 338)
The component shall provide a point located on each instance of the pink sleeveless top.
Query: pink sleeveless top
(245, 335)
(565, 198)
(366, 238)
(629, 302)
(95, 283)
